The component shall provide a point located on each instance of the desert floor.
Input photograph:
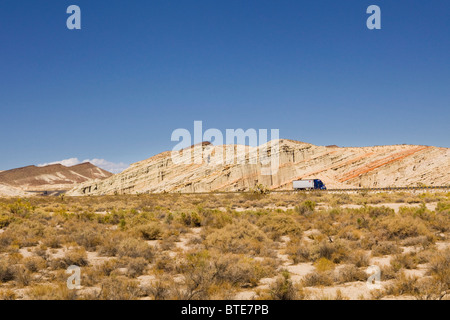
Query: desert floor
(307, 245)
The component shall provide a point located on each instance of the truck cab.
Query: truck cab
(319, 185)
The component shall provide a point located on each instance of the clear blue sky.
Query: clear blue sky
(138, 70)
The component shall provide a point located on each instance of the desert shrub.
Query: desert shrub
(160, 289)
(239, 270)
(90, 276)
(6, 271)
(35, 264)
(298, 251)
(41, 251)
(313, 279)
(107, 267)
(21, 208)
(52, 241)
(164, 262)
(150, 231)
(88, 237)
(422, 241)
(443, 207)
(134, 248)
(77, 257)
(431, 289)
(340, 296)
(350, 233)
(5, 220)
(402, 227)
(7, 294)
(110, 244)
(388, 272)
(260, 189)
(21, 275)
(350, 273)
(403, 285)
(241, 237)
(440, 268)
(375, 212)
(51, 292)
(136, 266)
(283, 288)
(335, 252)
(169, 243)
(323, 265)
(119, 288)
(385, 248)
(24, 233)
(215, 218)
(407, 261)
(279, 225)
(359, 258)
(341, 198)
(306, 207)
(199, 275)
(15, 258)
(191, 219)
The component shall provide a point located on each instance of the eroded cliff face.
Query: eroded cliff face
(382, 166)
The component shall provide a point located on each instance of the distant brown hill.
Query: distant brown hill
(51, 177)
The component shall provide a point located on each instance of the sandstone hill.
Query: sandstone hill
(380, 166)
(8, 191)
(48, 178)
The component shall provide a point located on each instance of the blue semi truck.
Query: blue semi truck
(309, 184)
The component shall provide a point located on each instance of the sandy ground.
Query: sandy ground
(395, 206)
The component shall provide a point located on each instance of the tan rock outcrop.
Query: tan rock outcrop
(381, 166)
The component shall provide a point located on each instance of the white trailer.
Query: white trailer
(304, 184)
